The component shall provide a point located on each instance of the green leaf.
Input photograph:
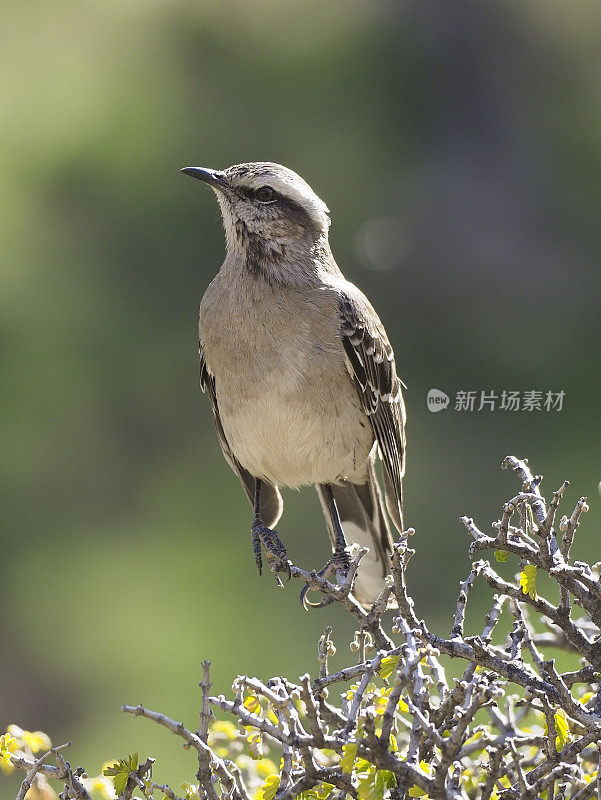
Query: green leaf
(501, 555)
(387, 666)
(319, 792)
(365, 788)
(375, 783)
(119, 771)
(324, 790)
(528, 581)
(388, 777)
(349, 753)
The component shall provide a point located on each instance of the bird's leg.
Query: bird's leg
(340, 562)
(340, 559)
(262, 535)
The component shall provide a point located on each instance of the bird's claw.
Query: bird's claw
(307, 604)
(275, 550)
(338, 565)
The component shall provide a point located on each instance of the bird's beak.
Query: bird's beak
(211, 176)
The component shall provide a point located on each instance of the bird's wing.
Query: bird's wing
(370, 362)
(271, 500)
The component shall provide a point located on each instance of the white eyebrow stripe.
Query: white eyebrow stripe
(293, 188)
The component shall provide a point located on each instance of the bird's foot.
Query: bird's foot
(277, 557)
(338, 566)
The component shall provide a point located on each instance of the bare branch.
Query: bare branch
(409, 725)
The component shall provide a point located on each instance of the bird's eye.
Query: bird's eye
(265, 194)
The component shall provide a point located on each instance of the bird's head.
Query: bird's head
(266, 202)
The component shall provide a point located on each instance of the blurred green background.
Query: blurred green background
(458, 147)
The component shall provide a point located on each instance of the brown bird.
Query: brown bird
(300, 372)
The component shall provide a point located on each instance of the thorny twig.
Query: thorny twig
(510, 726)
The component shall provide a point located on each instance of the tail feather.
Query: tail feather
(394, 506)
(364, 522)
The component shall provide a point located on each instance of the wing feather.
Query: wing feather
(370, 361)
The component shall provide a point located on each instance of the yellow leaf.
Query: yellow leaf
(265, 767)
(101, 785)
(37, 741)
(252, 703)
(8, 745)
(226, 727)
(381, 702)
(6, 766)
(255, 746)
(474, 738)
(563, 729)
(415, 791)
(270, 787)
(528, 581)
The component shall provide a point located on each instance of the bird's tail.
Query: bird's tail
(364, 522)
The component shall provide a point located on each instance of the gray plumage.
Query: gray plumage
(297, 364)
